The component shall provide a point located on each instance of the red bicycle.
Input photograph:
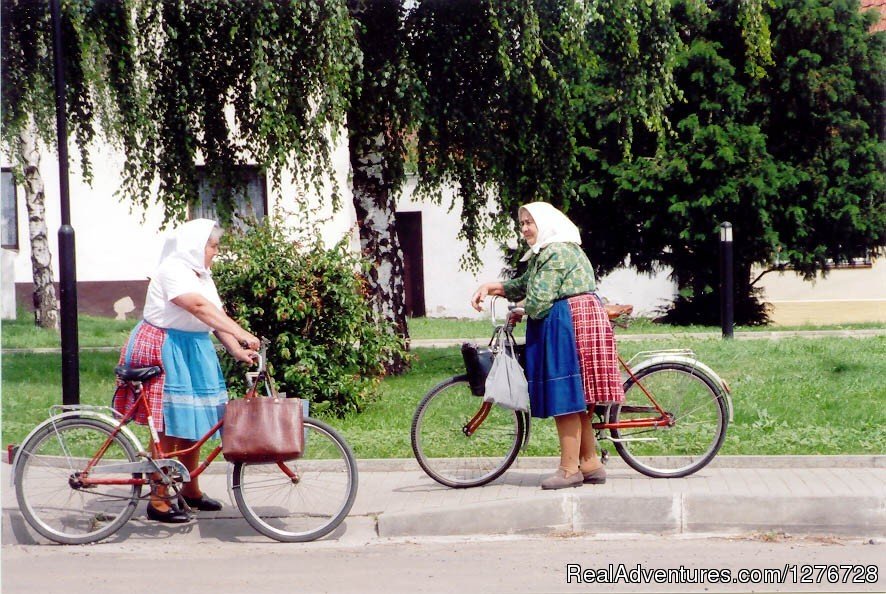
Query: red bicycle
(79, 475)
(672, 423)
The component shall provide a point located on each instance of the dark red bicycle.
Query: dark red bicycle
(672, 423)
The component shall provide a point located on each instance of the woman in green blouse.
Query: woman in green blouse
(571, 362)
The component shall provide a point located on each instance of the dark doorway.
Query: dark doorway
(409, 235)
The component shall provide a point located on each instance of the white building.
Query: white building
(117, 246)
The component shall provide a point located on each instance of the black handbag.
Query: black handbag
(478, 362)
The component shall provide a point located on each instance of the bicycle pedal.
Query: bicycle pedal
(604, 456)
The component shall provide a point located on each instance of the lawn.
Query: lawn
(791, 396)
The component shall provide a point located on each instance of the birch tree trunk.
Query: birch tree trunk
(45, 301)
(375, 205)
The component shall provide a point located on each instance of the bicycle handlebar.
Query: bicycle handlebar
(514, 312)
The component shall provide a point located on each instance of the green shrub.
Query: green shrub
(327, 343)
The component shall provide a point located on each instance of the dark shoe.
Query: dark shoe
(203, 503)
(595, 477)
(173, 515)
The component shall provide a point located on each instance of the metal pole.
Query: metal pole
(67, 264)
(727, 304)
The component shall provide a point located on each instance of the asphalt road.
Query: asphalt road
(560, 563)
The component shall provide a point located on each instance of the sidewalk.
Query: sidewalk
(839, 495)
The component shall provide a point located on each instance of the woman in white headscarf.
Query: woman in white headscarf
(181, 307)
(571, 362)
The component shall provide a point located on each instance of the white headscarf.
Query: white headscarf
(553, 227)
(188, 243)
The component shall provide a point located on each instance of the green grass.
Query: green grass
(91, 332)
(791, 396)
(438, 328)
(104, 332)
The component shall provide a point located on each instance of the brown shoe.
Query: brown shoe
(559, 480)
(595, 477)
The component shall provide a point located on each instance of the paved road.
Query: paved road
(168, 563)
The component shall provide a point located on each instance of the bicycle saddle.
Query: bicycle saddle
(137, 374)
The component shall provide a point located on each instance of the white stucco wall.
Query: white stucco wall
(846, 295)
(117, 241)
(448, 288)
(649, 294)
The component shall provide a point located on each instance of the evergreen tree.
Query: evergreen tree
(778, 131)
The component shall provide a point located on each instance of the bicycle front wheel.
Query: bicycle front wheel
(303, 499)
(445, 449)
(48, 486)
(698, 421)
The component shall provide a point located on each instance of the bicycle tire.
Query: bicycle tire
(304, 499)
(699, 426)
(45, 473)
(443, 449)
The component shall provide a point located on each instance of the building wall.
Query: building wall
(118, 245)
(846, 295)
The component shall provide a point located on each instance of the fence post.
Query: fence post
(727, 291)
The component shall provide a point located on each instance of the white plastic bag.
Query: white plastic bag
(506, 383)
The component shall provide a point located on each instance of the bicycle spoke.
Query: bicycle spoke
(697, 430)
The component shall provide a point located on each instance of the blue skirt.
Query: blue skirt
(194, 391)
(552, 368)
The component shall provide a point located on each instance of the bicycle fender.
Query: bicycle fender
(700, 368)
(526, 425)
(91, 414)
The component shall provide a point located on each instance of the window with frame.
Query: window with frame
(250, 197)
(9, 209)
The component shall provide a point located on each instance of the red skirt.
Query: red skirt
(143, 350)
(597, 357)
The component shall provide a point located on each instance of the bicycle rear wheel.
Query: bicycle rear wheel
(444, 449)
(698, 416)
(304, 499)
(49, 495)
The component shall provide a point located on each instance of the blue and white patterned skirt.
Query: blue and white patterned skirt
(194, 392)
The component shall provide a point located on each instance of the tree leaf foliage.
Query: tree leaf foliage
(782, 138)
(175, 83)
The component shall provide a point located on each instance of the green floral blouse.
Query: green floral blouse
(558, 271)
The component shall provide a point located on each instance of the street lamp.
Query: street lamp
(67, 265)
(727, 304)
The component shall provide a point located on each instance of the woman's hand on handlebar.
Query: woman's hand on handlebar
(249, 340)
(484, 291)
(247, 356)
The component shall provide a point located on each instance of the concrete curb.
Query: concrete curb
(547, 462)
(657, 514)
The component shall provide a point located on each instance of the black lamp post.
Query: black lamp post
(67, 264)
(727, 304)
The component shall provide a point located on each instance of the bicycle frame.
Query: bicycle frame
(152, 463)
(646, 358)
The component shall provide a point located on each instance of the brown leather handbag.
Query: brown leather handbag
(263, 429)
